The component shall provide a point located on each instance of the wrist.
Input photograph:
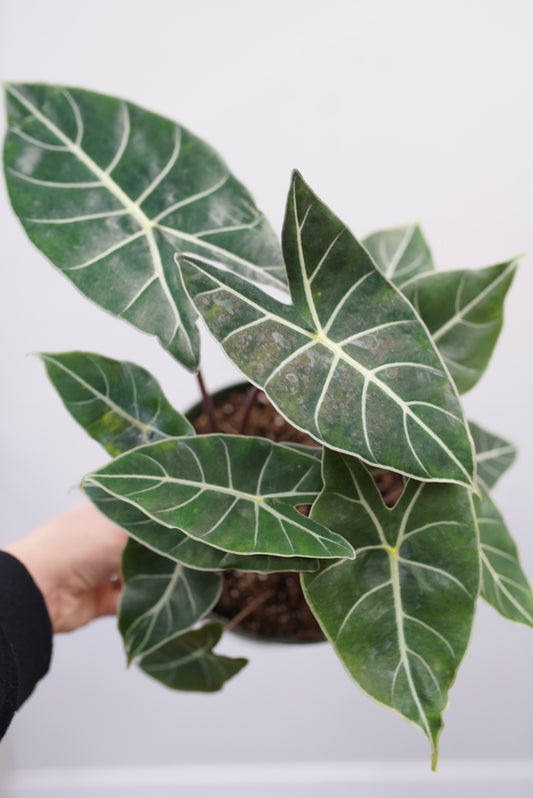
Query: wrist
(26, 552)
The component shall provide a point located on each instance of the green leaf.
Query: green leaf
(109, 192)
(390, 621)
(503, 582)
(349, 361)
(464, 314)
(181, 548)
(188, 661)
(494, 455)
(118, 403)
(161, 598)
(400, 252)
(233, 492)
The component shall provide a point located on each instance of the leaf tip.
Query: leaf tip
(7, 87)
(296, 175)
(88, 482)
(297, 181)
(353, 554)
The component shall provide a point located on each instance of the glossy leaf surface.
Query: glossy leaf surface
(236, 493)
(388, 612)
(188, 663)
(180, 547)
(109, 192)
(464, 314)
(494, 455)
(118, 403)
(401, 253)
(349, 361)
(161, 598)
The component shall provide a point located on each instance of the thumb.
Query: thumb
(109, 596)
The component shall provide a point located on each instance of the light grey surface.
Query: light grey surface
(392, 111)
(478, 779)
(482, 789)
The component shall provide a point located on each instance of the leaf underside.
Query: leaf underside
(188, 663)
(110, 192)
(118, 403)
(390, 621)
(161, 598)
(236, 493)
(349, 361)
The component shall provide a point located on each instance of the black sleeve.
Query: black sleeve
(25, 637)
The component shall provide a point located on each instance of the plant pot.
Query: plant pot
(270, 607)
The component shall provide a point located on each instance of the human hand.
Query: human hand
(75, 561)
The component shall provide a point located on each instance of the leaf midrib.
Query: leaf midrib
(338, 353)
(147, 225)
(485, 562)
(500, 586)
(113, 187)
(135, 422)
(400, 251)
(99, 481)
(393, 553)
(464, 311)
(257, 498)
(495, 453)
(152, 614)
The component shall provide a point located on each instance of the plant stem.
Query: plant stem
(207, 403)
(253, 605)
(248, 405)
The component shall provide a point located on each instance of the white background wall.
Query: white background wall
(393, 111)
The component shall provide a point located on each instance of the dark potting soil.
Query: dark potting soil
(270, 605)
(273, 604)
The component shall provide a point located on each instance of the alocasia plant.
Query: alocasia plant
(368, 354)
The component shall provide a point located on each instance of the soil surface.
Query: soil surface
(273, 604)
(268, 605)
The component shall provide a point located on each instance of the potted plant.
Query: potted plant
(387, 517)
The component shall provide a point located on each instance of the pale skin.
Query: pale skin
(74, 560)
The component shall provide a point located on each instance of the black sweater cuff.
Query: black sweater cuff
(25, 636)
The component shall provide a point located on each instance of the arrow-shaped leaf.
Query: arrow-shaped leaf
(235, 493)
(390, 622)
(349, 361)
(183, 549)
(161, 598)
(400, 252)
(118, 403)
(109, 192)
(188, 661)
(464, 313)
(494, 455)
(503, 582)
